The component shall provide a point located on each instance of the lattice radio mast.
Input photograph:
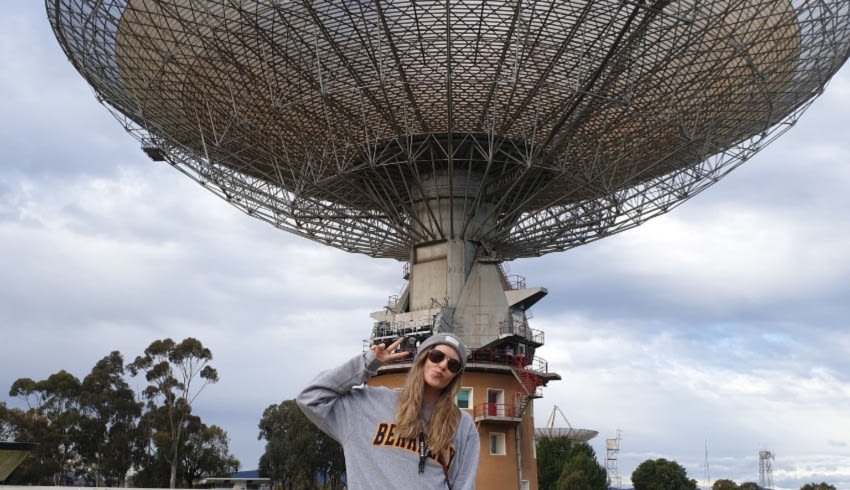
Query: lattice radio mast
(612, 447)
(766, 469)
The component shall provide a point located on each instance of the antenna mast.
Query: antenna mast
(766, 469)
(612, 447)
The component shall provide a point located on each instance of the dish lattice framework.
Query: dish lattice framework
(530, 127)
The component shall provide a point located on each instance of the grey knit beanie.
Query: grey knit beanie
(448, 339)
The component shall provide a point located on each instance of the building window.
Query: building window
(497, 443)
(464, 398)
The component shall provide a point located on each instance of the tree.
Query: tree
(563, 464)
(18, 425)
(96, 430)
(551, 457)
(817, 486)
(152, 468)
(207, 453)
(749, 485)
(52, 420)
(660, 474)
(581, 471)
(172, 371)
(724, 484)
(297, 452)
(108, 422)
(8, 428)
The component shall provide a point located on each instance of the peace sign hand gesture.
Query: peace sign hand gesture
(388, 354)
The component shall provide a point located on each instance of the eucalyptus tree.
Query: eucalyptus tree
(52, 419)
(109, 417)
(206, 453)
(176, 374)
(297, 453)
(8, 427)
(19, 425)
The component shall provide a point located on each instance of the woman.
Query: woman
(413, 438)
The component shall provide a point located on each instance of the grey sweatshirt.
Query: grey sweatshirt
(362, 419)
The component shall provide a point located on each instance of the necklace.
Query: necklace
(424, 452)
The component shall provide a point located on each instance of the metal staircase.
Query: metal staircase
(529, 381)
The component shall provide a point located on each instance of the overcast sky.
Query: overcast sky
(720, 328)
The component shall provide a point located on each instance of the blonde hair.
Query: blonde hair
(440, 430)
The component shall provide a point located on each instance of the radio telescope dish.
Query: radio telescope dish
(568, 432)
(530, 127)
(457, 135)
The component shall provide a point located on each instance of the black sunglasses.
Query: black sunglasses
(437, 356)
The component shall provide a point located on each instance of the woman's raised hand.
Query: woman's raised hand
(387, 354)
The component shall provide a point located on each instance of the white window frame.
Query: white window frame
(469, 390)
(498, 442)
